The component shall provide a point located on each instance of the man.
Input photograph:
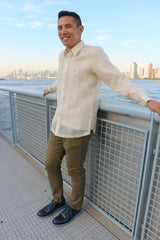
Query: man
(82, 68)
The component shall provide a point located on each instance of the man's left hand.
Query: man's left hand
(154, 106)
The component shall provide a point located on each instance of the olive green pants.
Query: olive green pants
(75, 150)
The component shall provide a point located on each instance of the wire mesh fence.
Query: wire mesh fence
(5, 114)
(114, 165)
(31, 133)
(151, 230)
(114, 180)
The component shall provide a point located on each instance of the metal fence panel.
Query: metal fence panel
(5, 115)
(151, 229)
(32, 134)
(115, 166)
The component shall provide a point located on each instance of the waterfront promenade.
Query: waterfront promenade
(23, 191)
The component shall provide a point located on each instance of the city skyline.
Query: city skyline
(134, 73)
(127, 31)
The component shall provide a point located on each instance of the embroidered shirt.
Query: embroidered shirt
(80, 74)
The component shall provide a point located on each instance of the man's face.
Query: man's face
(68, 32)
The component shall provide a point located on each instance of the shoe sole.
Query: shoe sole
(53, 212)
(63, 224)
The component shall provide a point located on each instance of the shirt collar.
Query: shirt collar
(75, 49)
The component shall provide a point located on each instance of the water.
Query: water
(151, 87)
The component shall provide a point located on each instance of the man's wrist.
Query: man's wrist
(144, 100)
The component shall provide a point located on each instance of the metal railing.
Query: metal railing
(123, 160)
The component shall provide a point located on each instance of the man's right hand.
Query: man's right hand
(45, 92)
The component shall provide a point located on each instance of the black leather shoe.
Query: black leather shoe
(50, 209)
(66, 216)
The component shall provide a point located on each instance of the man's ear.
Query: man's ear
(81, 28)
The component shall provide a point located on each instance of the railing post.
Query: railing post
(47, 118)
(153, 132)
(13, 117)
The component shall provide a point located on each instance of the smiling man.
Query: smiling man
(69, 31)
(82, 69)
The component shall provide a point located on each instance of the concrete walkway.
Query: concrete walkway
(23, 191)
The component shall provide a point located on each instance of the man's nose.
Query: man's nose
(64, 31)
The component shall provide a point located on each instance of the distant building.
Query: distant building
(20, 72)
(15, 74)
(157, 74)
(133, 70)
(141, 73)
(149, 70)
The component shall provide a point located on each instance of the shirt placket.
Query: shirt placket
(62, 87)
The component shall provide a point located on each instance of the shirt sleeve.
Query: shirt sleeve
(53, 87)
(118, 81)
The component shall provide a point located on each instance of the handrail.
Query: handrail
(128, 109)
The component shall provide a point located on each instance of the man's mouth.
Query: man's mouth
(64, 39)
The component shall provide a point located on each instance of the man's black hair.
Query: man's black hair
(76, 17)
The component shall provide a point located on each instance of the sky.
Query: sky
(127, 30)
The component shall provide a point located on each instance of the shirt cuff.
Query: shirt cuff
(52, 89)
(144, 100)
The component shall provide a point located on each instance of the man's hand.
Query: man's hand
(154, 106)
(45, 92)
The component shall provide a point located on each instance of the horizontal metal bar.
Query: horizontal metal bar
(129, 109)
(30, 92)
(29, 101)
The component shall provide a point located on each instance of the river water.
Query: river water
(151, 87)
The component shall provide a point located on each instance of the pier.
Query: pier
(24, 190)
(122, 196)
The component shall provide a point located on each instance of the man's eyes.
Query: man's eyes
(66, 26)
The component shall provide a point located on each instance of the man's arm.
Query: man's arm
(51, 89)
(112, 77)
(154, 106)
(45, 92)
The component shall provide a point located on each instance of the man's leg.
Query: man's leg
(76, 150)
(54, 156)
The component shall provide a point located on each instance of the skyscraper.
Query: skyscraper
(149, 70)
(141, 73)
(133, 70)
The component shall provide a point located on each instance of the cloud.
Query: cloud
(51, 2)
(4, 51)
(21, 25)
(49, 19)
(30, 16)
(33, 24)
(128, 43)
(52, 25)
(36, 24)
(7, 19)
(5, 4)
(39, 8)
(31, 7)
(13, 22)
(102, 37)
(51, 22)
